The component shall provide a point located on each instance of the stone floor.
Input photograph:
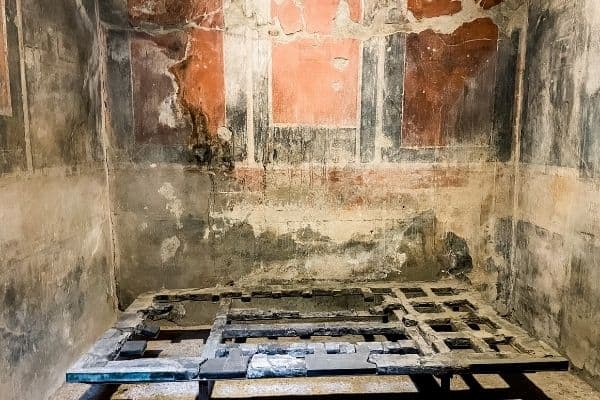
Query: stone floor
(551, 385)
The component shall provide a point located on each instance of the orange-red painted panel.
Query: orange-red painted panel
(316, 82)
(201, 79)
(433, 8)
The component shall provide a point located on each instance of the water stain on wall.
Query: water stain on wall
(151, 57)
(181, 74)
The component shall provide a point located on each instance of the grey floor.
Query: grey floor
(551, 385)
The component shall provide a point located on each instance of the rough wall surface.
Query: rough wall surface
(557, 219)
(258, 141)
(302, 140)
(56, 290)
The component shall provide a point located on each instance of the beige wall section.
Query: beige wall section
(557, 220)
(55, 293)
(284, 224)
(557, 264)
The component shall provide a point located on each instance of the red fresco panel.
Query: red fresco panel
(201, 78)
(5, 103)
(433, 8)
(314, 81)
(437, 69)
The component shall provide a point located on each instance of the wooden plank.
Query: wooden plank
(317, 329)
(294, 349)
(278, 366)
(105, 349)
(424, 352)
(233, 366)
(253, 314)
(133, 349)
(339, 364)
(391, 364)
(138, 371)
(216, 334)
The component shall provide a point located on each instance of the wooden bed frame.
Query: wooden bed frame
(439, 329)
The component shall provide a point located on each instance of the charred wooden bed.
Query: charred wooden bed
(380, 329)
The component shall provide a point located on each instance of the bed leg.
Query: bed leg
(205, 389)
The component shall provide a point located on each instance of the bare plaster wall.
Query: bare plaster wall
(556, 269)
(56, 265)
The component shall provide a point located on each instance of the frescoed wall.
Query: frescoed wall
(300, 140)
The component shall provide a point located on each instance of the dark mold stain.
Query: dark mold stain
(589, 123)
(536, 249)
(546, 137)
(65, 108)
(368, 101)
(394, 88)
(456, 257)
(119, 88)
(200, 81)
(504, 106)
(503, 237)
(237, 116)
(590, 143)
(419, 246)
(239, 242)
(408, 250)
(27, 314)
(12, 139)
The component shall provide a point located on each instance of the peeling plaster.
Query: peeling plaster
(174, 205)
(386, 20)
(168, 249)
